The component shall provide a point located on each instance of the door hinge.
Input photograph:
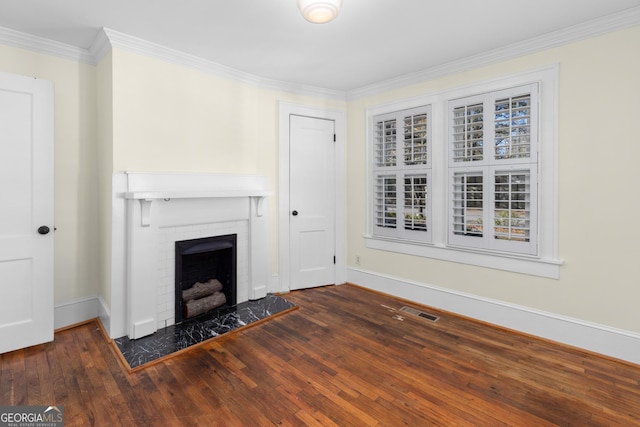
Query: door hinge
(334, 137)
(334, 259)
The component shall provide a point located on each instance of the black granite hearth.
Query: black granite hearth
(193, 331)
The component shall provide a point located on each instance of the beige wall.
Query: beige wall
(171, 118)
(104, 90)
(598, 152)
(75, 168)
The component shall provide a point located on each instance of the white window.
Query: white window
(401, 174)
(492, 170)
(469, 177)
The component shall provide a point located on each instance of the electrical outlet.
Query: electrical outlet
(357, 259)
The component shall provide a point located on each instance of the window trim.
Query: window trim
(547, 262)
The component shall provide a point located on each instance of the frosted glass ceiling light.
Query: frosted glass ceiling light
(319, 11)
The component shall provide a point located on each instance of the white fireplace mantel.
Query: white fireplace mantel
(156, 202)
(188, 194)
(147, 197)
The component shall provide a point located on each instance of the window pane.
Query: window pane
(385, 151)
(467, 204)
(512, 206)
(513, 127)
(415, 202)
(468, 133)
(385, 215)
(415, 140)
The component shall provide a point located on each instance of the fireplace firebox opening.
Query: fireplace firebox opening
(205, 275)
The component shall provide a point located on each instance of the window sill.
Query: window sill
(535, 266)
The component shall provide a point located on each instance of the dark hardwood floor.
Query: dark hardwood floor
(347, 357)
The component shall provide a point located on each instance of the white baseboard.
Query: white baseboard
(105, 316)
(275, 286)
(76, 311)
(617, 343)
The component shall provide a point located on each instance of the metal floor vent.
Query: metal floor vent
(419, 313)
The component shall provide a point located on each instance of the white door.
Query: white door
(26, 211)
(312, 201)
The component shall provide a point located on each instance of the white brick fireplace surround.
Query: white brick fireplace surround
(162, 208)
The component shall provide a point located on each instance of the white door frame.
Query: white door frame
(285, 110)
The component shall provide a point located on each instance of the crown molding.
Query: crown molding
(596, 27)
(100, 47)
(163, 53)
(42, 45)
(106, 39)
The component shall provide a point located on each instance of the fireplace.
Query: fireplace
(152, 211)
(205, 275)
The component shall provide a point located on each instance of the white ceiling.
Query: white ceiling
(371, 40)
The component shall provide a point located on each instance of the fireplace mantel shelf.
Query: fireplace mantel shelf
(146, 197)
(188, 194)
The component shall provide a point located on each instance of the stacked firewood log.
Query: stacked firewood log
(202, 297)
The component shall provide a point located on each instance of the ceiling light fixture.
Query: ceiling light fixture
(319, 11)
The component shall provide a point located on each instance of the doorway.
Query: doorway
(311, 197)
(26, 216)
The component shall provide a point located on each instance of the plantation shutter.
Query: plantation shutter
(468, 133)
(512, 207)
(415, 139)
(385, 143)
(514, 210)
(513, 127)
(492, 170)
(468, 209)
(401, 170)
(415, 202)
(386, 204)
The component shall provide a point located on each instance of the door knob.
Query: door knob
(43, 229)
(294, 213)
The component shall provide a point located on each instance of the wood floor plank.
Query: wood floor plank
(347, 357)
(37, 389)
(12, 384)
(228, 390)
